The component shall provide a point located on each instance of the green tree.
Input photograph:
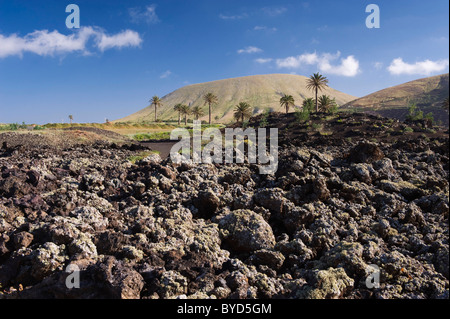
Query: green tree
(287, 101)
(156, 102)
(414, 113)
(177, 108)
(308, 104)
(210, 99)
(316, 83)
(185, 111)
(326, 103)
(304, 114)
(242, 110)
(197, 112)
(429, 117)
(71, 118)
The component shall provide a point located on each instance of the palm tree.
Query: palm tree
(210, 99)
(308, 104)
(71, 118)
(242, 110)
(287, 101)
(197, 112)
(445, 104)
(177, 108)
(326, 103)
(157, 102)
(317, 82)
(185, 110)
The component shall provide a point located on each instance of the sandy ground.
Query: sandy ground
(163, 148)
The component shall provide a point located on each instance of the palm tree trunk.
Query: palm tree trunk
(317, 101)
(185, 120)
(179, 118)
(155, 114)
(209, 113)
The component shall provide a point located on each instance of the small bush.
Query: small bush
(430, 117)
(408, 130)
(136, 158)
(10, 127)
(264, 120)
(414, 114)
(152, 136)
(333, 109)
(302, 115)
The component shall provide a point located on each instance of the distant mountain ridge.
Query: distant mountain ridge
(428, 94)
(260, 91)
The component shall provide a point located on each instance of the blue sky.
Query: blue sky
(127, 51)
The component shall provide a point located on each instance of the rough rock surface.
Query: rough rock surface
(159, 230)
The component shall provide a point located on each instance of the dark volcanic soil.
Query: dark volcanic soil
(157, 230)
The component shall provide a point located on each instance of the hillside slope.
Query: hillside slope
(260, 91)
(427, 93)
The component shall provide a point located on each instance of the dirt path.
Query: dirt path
(162, 147)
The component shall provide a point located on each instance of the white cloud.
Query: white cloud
(349, 66)
(165, 74)
(378, 65)
(147, 15)
(298, 61)
(427, 67)
(250, 50)
(263, 61)
(233, 17)
(271, 11)
(45, 43)
(126, 38)
(274, 11)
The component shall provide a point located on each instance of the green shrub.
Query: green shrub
(10, 127)
(333, 109)
(414, 114)
(135, 158)
(303, 115)
(408, 130)
(429, 117)
(264, 119)
(152, 136)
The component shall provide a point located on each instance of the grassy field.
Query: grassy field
(136, 131)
